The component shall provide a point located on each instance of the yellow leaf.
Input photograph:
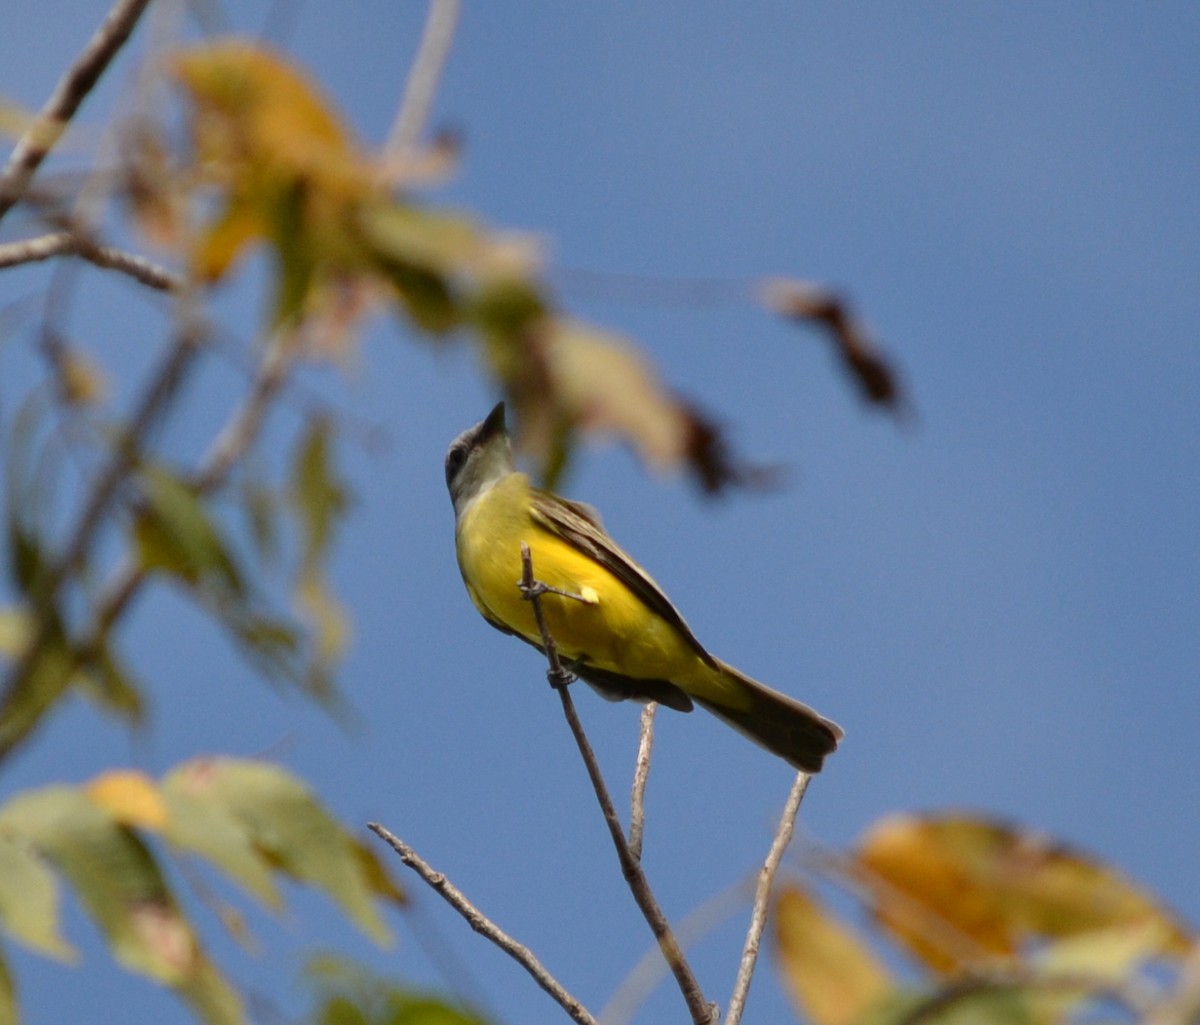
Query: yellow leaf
(259, 107)
(1064, 892)
(130, 797)
(331, 627)
(832, 976)
(223, 241)
(14, 630)
(928, 895)
(956, 889)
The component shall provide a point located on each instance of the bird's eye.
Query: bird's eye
(454, 461)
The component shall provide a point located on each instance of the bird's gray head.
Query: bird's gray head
(477, 458)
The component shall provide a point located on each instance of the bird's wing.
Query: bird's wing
(580, 527)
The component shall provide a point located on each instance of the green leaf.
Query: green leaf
(8, 994)
(114, 874)
(49, 674)
(965, 1004)
(109, 684)
(119, 883)
(175, 534)
(272, 645)
(1102, 956)
(318, 499)
(347, 994)
(294, 251)
(317, 495)
(259, 505)
(29, 899)
(211, 995)
(286, 822)
(445, 243)
(198, 823)
(25, 486)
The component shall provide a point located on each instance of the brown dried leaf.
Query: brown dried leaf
(813, 304)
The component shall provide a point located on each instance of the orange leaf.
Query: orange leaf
(955, 889)
(254, 105)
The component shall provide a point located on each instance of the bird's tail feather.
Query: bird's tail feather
(781, 724)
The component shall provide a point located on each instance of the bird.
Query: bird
(613, 627)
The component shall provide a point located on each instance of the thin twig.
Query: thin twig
(72, 89)
(65, 243)
(423, 77)
(702, 1012)
(641, 774)
(225, 452)
(484, 925)
(244, 426)
(239, 433)
(762, 896)
(163, 386)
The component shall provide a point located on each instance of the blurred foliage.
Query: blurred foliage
(347, 235)
(1003, 925)
(110, 842)
(346, 994)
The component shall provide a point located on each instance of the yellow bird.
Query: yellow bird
(624, 637)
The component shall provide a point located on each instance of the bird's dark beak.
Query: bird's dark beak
(494, 424)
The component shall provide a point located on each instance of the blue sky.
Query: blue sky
(1000, 602)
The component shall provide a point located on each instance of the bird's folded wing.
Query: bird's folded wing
(580, 528)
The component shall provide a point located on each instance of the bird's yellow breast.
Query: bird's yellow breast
(613, 629)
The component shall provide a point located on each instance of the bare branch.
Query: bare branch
(423, 77)
(65, 243)
(244, 426)
(483, 925)
(72, 89)
(226, 451)
(702, 1012)
(34, 250)
(641, 773)
(762, 896)
(228, 448)
(155, 399)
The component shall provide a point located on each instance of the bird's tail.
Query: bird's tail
(781, 724)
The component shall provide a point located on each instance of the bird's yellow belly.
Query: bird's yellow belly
(613, 629)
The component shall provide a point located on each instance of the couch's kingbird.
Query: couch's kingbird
(624, 638)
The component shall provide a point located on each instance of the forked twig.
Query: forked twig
(72, 89)
(702, 1012)
(68, 243)
(227, 449)
(484, 925)
(423, 76)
